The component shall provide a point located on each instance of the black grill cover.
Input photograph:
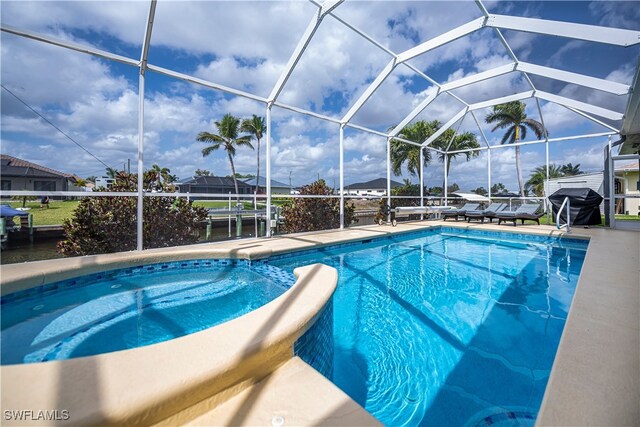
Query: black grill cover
(584, 205)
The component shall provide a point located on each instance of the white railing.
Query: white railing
(567, 225)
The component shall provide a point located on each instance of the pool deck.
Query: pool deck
(595, 379)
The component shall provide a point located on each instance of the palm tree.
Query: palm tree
(402, 152)
(463, 141)
(255, 127)
(163, 173)
(512, 117)
(227, 139)
(571, 170)
(539, 176)
(80, 182)
(112, 173)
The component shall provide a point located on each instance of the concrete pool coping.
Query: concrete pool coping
(594, 380)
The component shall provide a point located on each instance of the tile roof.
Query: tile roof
(12, 166)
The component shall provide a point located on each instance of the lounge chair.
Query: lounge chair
(455, 213)
(523, 213)
(489, 212)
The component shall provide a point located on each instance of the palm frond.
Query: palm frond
(209, 137)
(537, 127)
(208, 150)
(509, 137)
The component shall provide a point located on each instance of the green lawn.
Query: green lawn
(54, 215)
(552, 220)
(59, 210)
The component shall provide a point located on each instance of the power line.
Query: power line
(56, 127)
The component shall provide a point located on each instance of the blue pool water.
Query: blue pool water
(132, 307)
(448, 328)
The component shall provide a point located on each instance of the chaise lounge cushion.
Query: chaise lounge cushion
(523, 213)
(455, 213)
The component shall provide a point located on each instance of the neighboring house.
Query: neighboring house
(593, 181)
(213, 185)
(628, 177)
(377, 187)
(105, 182)
(18, 174)
(626, 182)
(277, 187)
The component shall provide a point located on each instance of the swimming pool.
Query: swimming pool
(449, 326)
(132, 307)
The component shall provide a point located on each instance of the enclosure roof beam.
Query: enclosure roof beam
(588, 108)
(412, 115)
(575, 78)
(369, 91)
(205, 83)
(538, 141)
(431, 44)
(306, 112)
(502, 100)
(69, 45)
(147, 37)
(442, 39)
(388, 51)
(593, 119)
(475, 78)
(308, 34)
(484, 137)
(446, 126)
(593, 33)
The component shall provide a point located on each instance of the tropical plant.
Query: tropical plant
(539, 176)
(79, 182)
(498, 188)
(402, 153)
(316, 213)
(512, 117)
(112, 172)
(453, 188)
(255, 127)
(570, 170)
(108, 224)
(480, 191)
(202, 172)
(91, 179)
(162, 173)
(449, 141)
(227, 138)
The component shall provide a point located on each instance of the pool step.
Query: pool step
(294, 395)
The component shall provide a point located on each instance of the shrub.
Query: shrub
(315, 214)
(108, 224)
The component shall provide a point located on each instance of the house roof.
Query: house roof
(216, 181)
(12, 166)
(376, 183)
(627, 166)
(263, 182)
(579, 177)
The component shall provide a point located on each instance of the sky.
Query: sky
(246, 45)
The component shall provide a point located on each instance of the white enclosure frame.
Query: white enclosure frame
(590, 33)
